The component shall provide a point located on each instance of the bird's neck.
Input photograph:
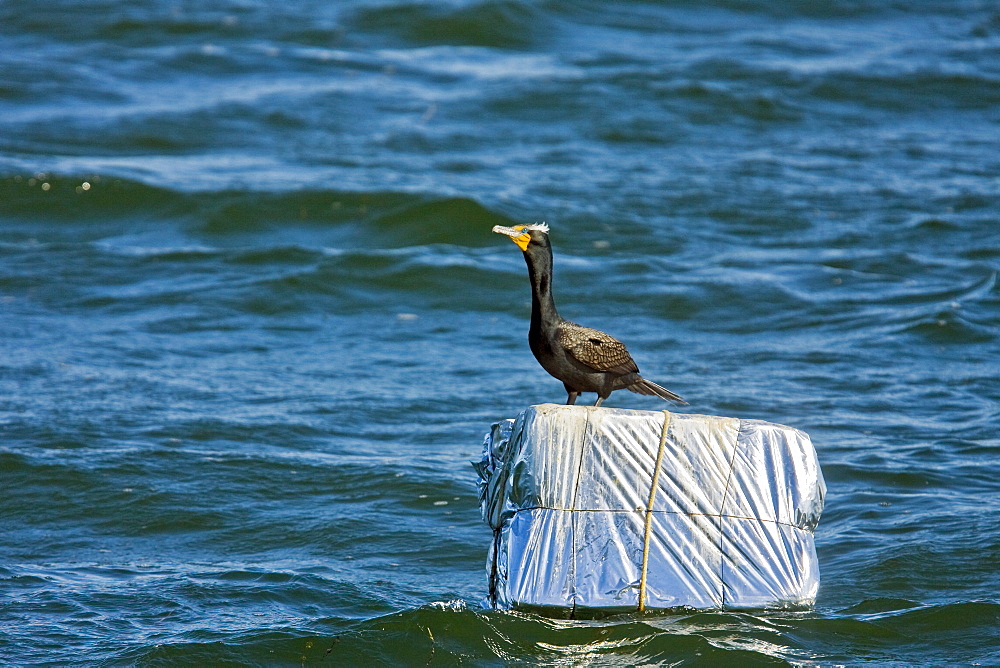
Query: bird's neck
(543, 305)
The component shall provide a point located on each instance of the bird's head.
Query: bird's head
(525, 235)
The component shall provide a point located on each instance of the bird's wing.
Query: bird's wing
(596, 349)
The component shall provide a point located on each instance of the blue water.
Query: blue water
(253, 322)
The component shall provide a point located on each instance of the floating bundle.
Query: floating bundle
(614, 510)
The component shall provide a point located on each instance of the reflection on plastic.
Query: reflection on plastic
(567, 490)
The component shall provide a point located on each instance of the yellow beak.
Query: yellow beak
(517, 234)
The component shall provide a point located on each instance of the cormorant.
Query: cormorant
(584, 359)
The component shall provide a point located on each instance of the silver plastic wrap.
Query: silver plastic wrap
(567, 492)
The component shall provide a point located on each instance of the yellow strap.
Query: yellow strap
(649, 511)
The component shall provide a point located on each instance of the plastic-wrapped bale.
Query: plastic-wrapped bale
(613, 510)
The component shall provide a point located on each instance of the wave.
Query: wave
(390, 218)
(953, 327)
(452, 633)
(903, 90)
(492, 23)
(780, 88)
(47, 196)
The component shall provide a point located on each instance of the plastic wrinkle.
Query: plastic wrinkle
(566, 490)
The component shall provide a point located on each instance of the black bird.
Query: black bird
(584, 359)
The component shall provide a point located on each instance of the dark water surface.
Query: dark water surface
(254, 323)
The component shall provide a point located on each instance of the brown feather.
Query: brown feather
(596, 349)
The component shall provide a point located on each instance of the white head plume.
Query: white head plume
(520, 229)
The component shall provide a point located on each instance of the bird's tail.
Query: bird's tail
(648, 387)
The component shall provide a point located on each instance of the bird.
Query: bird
(583, 358)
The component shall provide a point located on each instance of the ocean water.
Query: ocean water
(253, 322)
